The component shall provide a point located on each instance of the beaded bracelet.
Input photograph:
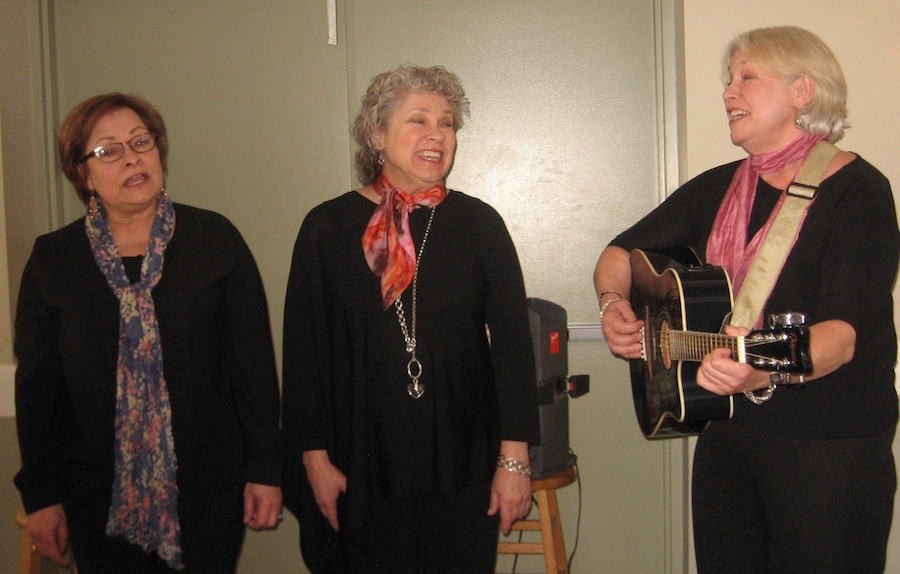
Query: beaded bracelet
(514, 465)
(605, 306)
(605, 293)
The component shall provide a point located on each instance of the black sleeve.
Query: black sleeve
(40, 385)
(251, 362)
(304, 372)
(305, 377)
(862, 242)
(512, 353)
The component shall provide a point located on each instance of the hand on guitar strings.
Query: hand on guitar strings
(719, 373)
(622, 330)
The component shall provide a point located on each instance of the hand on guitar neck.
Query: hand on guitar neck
(722, 373)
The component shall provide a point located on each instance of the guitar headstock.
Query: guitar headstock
(782, 349)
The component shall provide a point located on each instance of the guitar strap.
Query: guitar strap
(767, 264)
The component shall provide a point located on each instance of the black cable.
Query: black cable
(578, 520)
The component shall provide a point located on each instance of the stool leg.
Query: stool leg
(551, 533)
(30, 560)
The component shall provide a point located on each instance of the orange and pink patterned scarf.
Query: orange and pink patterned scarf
(387, 242)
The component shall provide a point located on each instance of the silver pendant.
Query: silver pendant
(414, 370)
(415, 390)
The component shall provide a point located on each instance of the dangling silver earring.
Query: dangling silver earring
(799, 122)
(380, 159)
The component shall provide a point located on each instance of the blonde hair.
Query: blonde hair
(386, 94)
(791, 52)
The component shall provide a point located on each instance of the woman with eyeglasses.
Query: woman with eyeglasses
(146, 389)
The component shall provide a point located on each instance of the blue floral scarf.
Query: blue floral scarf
(144, 507)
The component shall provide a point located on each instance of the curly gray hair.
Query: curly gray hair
(386, 94)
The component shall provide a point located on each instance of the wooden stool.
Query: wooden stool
(30, 561)
(551, 545)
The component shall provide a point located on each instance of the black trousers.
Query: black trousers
(426, 534)
(764, 505)
(211, 538)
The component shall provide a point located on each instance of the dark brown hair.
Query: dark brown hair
(76, 130)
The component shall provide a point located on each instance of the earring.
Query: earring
(798, 122)
(380, 159)
(93, 208)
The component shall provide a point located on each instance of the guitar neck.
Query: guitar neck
(693, 346)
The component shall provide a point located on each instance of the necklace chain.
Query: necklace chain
(413, 367)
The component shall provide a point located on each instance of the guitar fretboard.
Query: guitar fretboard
(693, 346)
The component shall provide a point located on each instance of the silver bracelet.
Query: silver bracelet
(513, 465)
(605, 306)
(760, 399)
(767, 392)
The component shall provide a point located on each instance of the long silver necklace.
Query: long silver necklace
(413, 367)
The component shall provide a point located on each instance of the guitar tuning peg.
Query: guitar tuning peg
(787, 319)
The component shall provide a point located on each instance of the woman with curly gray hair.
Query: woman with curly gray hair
(407, 427)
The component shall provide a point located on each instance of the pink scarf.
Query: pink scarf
(727, 245)
(387, 242)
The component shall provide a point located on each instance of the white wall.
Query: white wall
(7, 370)
(16, 173)
(863, 36)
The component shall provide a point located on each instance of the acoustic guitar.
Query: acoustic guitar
(684, 305)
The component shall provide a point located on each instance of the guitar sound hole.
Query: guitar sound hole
(664, 345)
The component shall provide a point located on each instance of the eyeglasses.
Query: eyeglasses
(114, 151)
